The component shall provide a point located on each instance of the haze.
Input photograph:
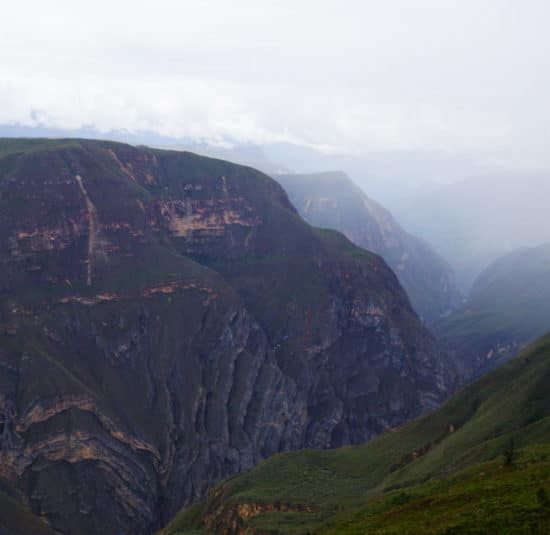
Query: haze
(349, 76)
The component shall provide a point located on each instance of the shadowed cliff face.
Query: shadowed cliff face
(167, 320)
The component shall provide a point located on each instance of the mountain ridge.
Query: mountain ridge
(332, 199)
(167, 320)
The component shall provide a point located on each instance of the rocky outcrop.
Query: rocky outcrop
(234, 521)
(167, 320)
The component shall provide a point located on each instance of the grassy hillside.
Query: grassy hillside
(444, 473)
(485, 498)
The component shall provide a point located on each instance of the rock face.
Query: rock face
(167, 320)
(332, 200)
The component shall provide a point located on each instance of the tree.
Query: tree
(509, 453)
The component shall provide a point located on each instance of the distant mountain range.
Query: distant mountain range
(332, 200)
(509, 306)
(479, 464)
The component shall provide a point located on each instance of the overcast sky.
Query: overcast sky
(354, 75)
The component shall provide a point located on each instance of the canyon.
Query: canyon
(168, 320)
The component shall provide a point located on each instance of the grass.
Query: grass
(186, 521)
(487, 498)
(10, 146)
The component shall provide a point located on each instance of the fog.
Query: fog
(351, 76)
(476, 221)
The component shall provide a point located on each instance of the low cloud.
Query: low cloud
(353, 76)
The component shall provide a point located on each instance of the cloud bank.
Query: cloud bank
(356, 76)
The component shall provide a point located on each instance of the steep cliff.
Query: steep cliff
(167, 320)
(332, 200)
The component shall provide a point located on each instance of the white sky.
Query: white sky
(356, 75)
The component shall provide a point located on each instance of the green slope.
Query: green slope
(485, 498)
(442, 469)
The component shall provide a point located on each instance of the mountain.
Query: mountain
(479, 464)
(509, 306)
(332, 200)
(476, 221)
(167, 320)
